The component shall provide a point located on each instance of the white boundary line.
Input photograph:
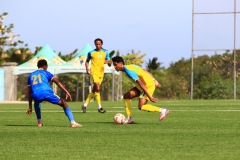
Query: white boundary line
(60, 111)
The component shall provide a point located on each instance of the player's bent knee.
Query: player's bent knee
(125, 96)
(62, 103)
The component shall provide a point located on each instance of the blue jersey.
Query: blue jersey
(39, 82)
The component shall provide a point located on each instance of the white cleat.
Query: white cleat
(129, 121)
(163, 114)
(40, 124)
(75, 125)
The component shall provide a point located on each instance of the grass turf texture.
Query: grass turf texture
(192, 130)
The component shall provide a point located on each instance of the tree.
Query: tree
(18, 55)
(8, 39)
(134, 58)
(154, 64)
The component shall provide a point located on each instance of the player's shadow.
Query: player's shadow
(99, 122)
(31, 125)
(19, 125)
(110, 123)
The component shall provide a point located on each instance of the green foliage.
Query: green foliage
(69, 56)
(37, 49)
(212, 75)
(154, 65)
(106, 87)
(22, 90)
(177, 80)
(112, 53)
(214, 87)
(73, 82)
(19, 55)
(134, 58)
(173, 87)
(9, 40)
(1, 55)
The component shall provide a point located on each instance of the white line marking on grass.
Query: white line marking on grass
(54, 111)
(223, 110)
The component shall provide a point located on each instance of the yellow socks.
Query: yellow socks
(98, 97)
(150, 108)
(128, 107)
(89, 98)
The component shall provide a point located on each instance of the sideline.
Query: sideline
(13, 102)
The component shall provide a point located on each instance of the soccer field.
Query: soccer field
(197, 129)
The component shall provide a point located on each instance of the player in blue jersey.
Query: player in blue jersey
(98, 58)
(144, 89)
(39, 90)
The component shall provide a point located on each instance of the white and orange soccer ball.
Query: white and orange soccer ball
(119, 118)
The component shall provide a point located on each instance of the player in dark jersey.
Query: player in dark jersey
(39, 90)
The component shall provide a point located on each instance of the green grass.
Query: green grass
(193, 130)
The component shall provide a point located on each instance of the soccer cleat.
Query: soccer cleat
(101, 110)
(129, 121)
(40, 124)
(163, 114)
(75, 125)
(84, 109)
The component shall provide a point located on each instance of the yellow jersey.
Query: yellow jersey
(97, 61)
(135, 72)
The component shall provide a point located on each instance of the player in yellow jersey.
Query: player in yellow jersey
(98, 57)
(144, 89)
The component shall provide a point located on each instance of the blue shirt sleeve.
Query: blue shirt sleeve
(89, 56)
(131, 74)
(49, 76)
(107, 56)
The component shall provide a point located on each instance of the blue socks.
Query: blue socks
(67, 111)
(69, 114)
(37, 108)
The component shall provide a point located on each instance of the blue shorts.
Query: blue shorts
(54, 99)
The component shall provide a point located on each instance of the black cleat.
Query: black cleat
(84, 109)
(101, 110)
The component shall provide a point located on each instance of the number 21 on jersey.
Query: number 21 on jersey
(37, 79)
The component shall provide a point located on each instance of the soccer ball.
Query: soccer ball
(119, 118)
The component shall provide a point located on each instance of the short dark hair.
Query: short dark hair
(118, 59)
(98, 39)
(41, 63)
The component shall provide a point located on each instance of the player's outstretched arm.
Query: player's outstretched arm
(60, 85)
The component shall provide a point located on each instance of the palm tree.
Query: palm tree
(134, 58)
(8, 39)
(154, 64)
